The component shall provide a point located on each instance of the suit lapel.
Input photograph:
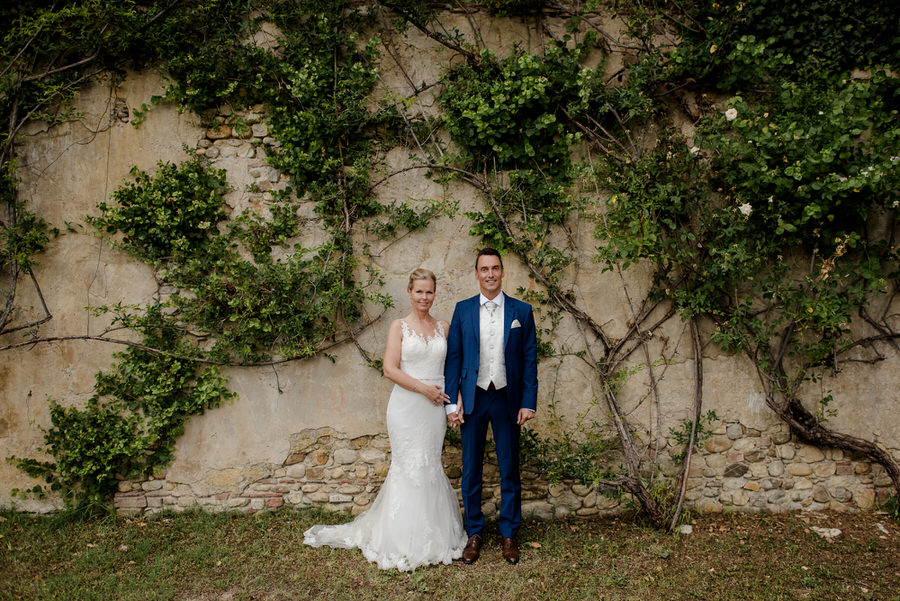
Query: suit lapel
(475, 317)
(509, 314)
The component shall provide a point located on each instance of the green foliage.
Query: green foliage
(23, 235)
(568, 450)
(812, 163)
(521, 118)
(736, 44)
(49, 50)
(256, 310)
(565, 456)
(260, 235)
(510, 116)
(801, 173)
(169, 215)
(402, 217)
(19, 243)
(504, 109)
(682, 434)
(130, 424)
(892, 507)
(222, 67)
(812, 168)
(649, 214)
(527, 111)
(317, 112)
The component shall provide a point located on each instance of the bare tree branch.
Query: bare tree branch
(37, 76)
(47, 315)
(442, 39)
(323, 348)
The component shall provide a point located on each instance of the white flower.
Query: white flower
(746, 208)
(731, 114)
(694, 149)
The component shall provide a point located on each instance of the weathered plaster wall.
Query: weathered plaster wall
(313, 432)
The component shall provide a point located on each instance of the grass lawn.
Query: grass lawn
(204, 557)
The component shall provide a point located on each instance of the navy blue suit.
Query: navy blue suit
(499, 408)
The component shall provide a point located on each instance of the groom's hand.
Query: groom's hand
(524, 416)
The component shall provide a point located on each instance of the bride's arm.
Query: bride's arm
(392, 371)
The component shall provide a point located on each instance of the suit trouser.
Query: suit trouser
(491, 408)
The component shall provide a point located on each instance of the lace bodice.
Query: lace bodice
(422, 357)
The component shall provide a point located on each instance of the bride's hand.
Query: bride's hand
(436, 395)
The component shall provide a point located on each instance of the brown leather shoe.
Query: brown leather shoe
(510, 550)
(472, 549)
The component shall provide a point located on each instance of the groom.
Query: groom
(492, 363)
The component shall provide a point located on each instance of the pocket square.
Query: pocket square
(515, 324)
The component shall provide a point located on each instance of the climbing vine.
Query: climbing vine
(253, 309)
(767, 223)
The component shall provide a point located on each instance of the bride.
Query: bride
(415, 519)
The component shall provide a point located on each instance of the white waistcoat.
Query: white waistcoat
(491, 363)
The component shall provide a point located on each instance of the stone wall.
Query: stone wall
(327, 469)
(743, 468)
(738, 468)
(312, 432)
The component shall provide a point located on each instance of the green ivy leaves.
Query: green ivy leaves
(506, 110)
(169, 215)
(743, 45)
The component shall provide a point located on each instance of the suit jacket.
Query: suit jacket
(519, 348)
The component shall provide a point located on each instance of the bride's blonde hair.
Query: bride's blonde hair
(421, 274)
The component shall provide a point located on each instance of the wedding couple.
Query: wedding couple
(487, 357)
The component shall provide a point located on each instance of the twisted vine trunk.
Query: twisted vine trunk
(632, 481)
(698, 406)
(806, 425)
(810, 429)
(12, 276)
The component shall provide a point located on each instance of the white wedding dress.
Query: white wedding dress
(415, 519)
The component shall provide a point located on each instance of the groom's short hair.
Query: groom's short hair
(488, 251)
